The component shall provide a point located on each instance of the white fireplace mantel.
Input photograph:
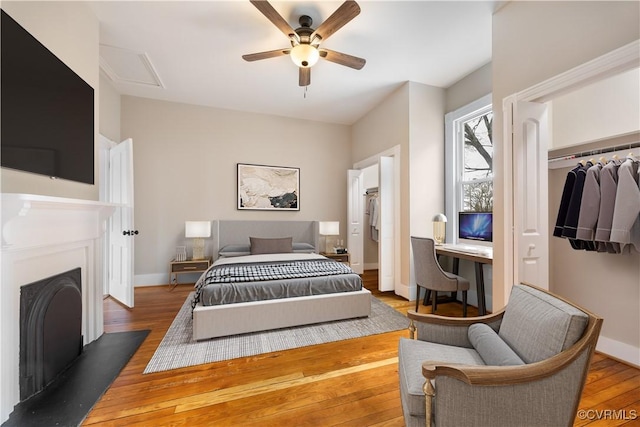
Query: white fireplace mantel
(30, 220)
(43, 236)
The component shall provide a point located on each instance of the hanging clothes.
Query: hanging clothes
(625, 228)
(600, 206)
(374, 217)
(589, 207)
(567, 191)
(608, 190)
(569, 222)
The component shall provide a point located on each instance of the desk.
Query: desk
(479, 259)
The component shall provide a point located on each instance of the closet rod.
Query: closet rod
(572, 159)
(372, 190)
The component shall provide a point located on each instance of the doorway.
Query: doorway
(605, 283)
(382, 238)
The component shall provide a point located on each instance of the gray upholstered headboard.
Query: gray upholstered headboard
(232, 232)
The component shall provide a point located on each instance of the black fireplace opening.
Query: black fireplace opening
(50, 329)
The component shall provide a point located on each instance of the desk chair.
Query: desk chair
(432, 277)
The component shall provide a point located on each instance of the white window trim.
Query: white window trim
(453, 160)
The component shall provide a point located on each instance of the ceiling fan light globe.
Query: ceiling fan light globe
(304, 55)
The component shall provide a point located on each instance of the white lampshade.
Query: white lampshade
(197, 229)
(439, 218)
(330, 228)
(304, 55)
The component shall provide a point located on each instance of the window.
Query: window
(469, 162)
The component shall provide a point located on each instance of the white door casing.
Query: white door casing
(386, 241)
(121, 231)
(355, 215)
(530, 201)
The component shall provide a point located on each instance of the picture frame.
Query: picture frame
(274, 188)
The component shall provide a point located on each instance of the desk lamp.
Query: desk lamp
(439, 228)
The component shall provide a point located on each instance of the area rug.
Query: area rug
(178, 349)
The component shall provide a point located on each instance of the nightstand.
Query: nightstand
(343, 258)
(188, 266)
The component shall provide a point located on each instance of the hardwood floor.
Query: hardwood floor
(347, 383)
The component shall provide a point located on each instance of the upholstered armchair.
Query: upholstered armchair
(525, 365)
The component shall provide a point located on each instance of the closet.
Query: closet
(598, 123)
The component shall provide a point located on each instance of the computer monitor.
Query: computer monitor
(476, 226)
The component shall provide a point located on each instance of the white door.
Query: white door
(355, 219)
(121, 231)
(386, 242)
(531, 213)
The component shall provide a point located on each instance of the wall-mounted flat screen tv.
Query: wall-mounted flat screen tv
(475, 226)
(47, 110)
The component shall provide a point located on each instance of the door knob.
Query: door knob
(130, 232)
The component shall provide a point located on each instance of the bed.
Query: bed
(242, 305)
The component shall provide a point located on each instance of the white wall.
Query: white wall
(109, 110)
(600, 110)
(468, 89)
(411, 117)
(71, 32)
(185, 160)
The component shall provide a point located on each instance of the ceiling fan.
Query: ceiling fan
(305, 41)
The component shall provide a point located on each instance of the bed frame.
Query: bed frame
(232, 319)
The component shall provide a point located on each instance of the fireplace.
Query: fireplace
(50, 329)
(43, 237)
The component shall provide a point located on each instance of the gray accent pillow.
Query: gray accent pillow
(493, 350)
(304, 248)
(271, 246)
(234, 250)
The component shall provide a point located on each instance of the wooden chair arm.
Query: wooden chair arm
(508, 375)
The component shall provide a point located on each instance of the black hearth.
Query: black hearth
(50, 329)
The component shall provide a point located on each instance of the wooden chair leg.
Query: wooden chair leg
(417, 297)
(464, 303)
(427, 297)
(434, 306)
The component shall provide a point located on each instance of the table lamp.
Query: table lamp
(198, 231)
(439, 228)
(329, 228)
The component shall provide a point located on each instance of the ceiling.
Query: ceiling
(195, 49)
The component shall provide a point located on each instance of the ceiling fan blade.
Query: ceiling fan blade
(273, 16)
(345, 13)
(304, 76)
(265, 55)
(343, 59)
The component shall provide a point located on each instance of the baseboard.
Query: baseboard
(151, 279)
(619, 350)
(370, 266)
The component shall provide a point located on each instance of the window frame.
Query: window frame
(454, 159)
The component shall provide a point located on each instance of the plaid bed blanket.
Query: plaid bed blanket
(238, 273)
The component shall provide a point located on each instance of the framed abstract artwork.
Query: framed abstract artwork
(268, 187)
